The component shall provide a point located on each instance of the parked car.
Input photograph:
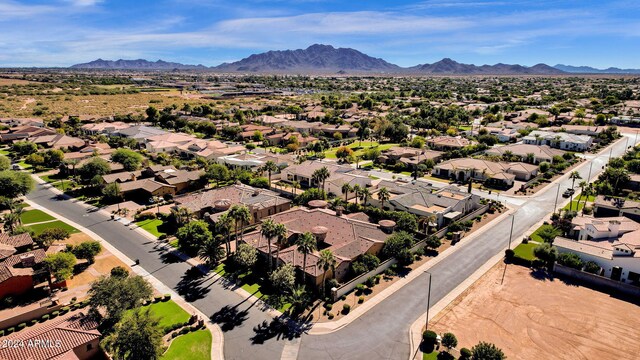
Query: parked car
(568, 192)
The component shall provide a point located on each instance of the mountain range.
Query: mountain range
(328, 59)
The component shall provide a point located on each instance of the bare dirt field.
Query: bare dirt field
(531, 318)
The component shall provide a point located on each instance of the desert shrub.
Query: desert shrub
(591, 267)
(33, 322)
(360, 288)
(144, 216)
(346, 308)
(570, 260)
(330, 316)
(509, 253)
(21, 326)
(370, 282)
(55, 313)
(429, 337)
(45, 317)
(328, 306)
(11, 330)
(465, 354)
(360, 299)
(167, 297)
(157, 298)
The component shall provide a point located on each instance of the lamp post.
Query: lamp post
(590, 166)
(426, 325)
(555, 205)
(513, 218)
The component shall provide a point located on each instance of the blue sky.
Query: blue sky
(577, 32)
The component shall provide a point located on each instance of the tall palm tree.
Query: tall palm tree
(365, 195)
(357, 190)
(573, 176)
(320, 176)
(582, 185)
(588, 191)
(383, 195)
(295, 185)
(326, 262)
(240, 214)
(346, 189)
(223, 226)
(270, 167)
(267, 230)
(306, 245)
(280, 233)
(182, 216)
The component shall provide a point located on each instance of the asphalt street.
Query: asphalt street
(381, 333)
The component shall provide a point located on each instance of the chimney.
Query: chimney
(614, 228)
(339, 210)
(320, 233)
(387, 225)
(133, 177)
(28, 260)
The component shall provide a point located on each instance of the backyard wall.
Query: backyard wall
(597, 280)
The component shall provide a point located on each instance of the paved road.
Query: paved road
(382, 333)
(240, 317)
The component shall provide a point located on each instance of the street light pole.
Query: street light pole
(426, 326)
(513, 218)
(555, 206)
(590, 166)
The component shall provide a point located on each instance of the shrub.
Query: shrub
(64, 288)
(429, 337)
(377, 277)
(330, 316)
(509, 253)
(360, 288)
(328, 306)
(45, 317)
(65, 309)
(346, 308)
(1, 333)
(370, 282)
(571, 260)
(184, 330)
(21, 326)
(167, 297)
(10, 330)
(157, 298)
(465, 354)
(85, 303)
(592, 267)
(174, 335)
(77, 306)
(360, 299)
(144, 216)
(74, 299)
(55, 313)
(33, 322)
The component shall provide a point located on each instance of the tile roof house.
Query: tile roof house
(409, 155)
(347, 238)
(541, 153)
(446, 204)
(24, 132)
(502, 173)
(57, 141)
(560, 140)
(139, 132)
(210, 204)
(444, 143)
(70, 336)
(104, 127)
(606, 206)
(338, 175)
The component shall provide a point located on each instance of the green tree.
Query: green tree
(306, 244)
(217, 172)
(383, 195)
(49, 235)
(193, 236)
(240, 215)
(211, 250)
(59, 266)
(280, 233)
(152, 114)
(138, 336)
(113, 295)
(365, 263)
(283, 278)
(112, 192)
(267, 231)
(270, 167)
(53, 158)
(87, 250)
(5, 163)
(486, 351)
(327, 261)
(95, 167)
(346, 189)
(319, 176)
(245, 256)
(397, 245)
(548, 232)
(449, 341)
(546, 252)
(223, 226)
(129, 159)
(14, 184)
(23, 148)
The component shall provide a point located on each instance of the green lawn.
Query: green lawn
(192, 346)
(525, 251)
(168, 312)
(536, 237)
(38, 228)
(24, 165)
(5, 152)
(34, 216)
(430, 356)
(151, 226)
(331, 154)
(250, 283)
(578, 203)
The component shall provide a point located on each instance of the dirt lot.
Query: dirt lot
(532, 318)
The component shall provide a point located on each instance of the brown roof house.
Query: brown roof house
(538, 153)
(70, 336)
(445, 143)
(496, 173)
(409, 155)
(347, 238)
(210, 204)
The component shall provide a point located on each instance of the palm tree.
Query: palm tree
(270, 167)
(295, 185)
(211, 251)
(573, 176)
(365, 195)
(320, 176)
(240, 214)
(383, 196)
(280, 233)
(223, 226)
(298, 298)
(306, 245)
(326, 262)
(582, 185)
(588, 191)
(357, 190)
(346, 189)
(182, 216)
(266, 230)
(507, 155)
(530, 158)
